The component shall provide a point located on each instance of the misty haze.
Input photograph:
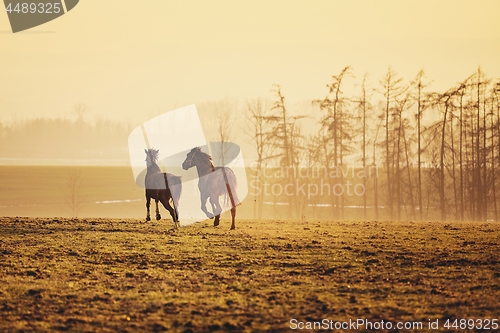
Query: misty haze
(250, 166)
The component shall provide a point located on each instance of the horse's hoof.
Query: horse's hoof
(158, 217)
(232, 228)
(148, 219)
(216, 223)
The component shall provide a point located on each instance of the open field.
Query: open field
(109, 275)
(42, 191)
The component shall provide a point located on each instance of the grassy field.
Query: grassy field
(112, 275)
(43, 191)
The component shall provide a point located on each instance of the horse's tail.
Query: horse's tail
(232, 184)
(175, 186)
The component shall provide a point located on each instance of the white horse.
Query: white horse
(213, 182)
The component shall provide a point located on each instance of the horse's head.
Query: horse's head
(189, 162)
(151, 156)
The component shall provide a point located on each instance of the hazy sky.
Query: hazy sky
(131, 59)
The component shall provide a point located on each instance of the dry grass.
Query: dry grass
(102, 275)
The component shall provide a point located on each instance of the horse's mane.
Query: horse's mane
(154, 154)
(198, 149)
(206, 159)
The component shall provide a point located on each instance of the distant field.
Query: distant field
(43, 190)
(113, 275)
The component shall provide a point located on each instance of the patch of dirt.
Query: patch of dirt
(126, 275)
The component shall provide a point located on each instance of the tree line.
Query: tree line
(67, 138)
(436, 153)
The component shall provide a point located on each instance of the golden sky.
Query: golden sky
(132, 59)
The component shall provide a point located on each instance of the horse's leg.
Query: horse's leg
(216, 208)
(176, 222)
(167, 206)
(203, 199)
(176, 213)
(233, 215)
(158, 216)
(148, 203)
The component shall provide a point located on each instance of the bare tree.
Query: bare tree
(495, 141)
(259, 132)
(285, 137)
(221, 116)
(75, 196)
(391, 89)
(364, 107)
(375, 166)
(422, 104)
(337, 132)
(80, 110)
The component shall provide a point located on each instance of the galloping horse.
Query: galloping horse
(162, 187)
(213, 182)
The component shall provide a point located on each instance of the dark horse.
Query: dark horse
(213, 182)
(162, 187)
